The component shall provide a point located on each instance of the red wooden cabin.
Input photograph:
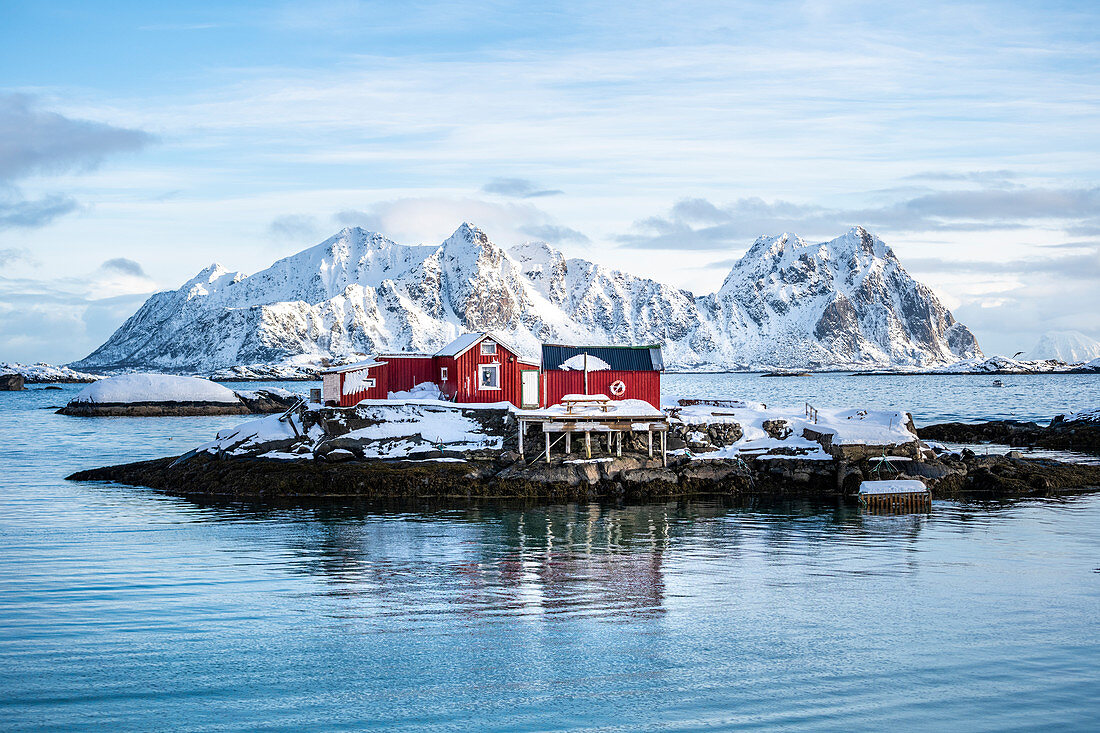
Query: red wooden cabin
(634, 373)
(475, 367)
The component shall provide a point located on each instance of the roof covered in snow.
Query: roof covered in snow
(467, 341)
(354, 367)
(128, 388)
(585, 361)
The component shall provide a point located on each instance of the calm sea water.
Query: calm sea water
(125, 610)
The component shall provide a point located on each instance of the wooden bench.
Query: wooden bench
(571, 401)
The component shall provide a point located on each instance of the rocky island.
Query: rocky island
(430, 449)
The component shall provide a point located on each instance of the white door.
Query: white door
(529, 388)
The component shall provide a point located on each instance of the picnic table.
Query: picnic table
(572, 401)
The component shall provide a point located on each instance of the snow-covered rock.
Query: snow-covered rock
(43, 373)
(1002, 365)
(129, 388)
(843, 303)
(1072, 347)
(1092, 415)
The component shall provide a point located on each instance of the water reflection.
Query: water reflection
(594, 560)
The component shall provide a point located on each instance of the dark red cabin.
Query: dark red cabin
(475, 367)
(634, 373)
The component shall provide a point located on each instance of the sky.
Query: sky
(140, 142)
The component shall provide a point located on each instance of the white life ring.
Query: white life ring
(617, 387)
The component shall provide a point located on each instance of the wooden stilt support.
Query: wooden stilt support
(650, 433)
(619, 443)
(568, 443)
(547, 447)
(587, 444)
(521, 426)
(664, 449)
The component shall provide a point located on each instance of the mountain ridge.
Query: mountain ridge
(843, 303)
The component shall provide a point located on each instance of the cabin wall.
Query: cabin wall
(639, 385)
(404, 373)
(379, 391)
(464, 376)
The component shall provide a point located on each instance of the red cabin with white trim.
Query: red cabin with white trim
(475, 367)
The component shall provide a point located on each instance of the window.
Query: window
(442, 374)
(488, 348)
(489, 376)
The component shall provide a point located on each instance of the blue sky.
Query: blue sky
(139, 142)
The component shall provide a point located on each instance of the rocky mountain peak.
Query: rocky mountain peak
(845, 302)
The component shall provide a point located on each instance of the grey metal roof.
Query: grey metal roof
(621, 358)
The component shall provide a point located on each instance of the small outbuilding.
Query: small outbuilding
(620, 372)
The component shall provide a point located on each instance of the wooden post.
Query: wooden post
(664, 449)
(619, 443)
(650, 432)
(568, 442)
(587, 444)
(547, 447)
(521, 438)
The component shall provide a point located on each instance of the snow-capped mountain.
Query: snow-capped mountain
(846, 302)
(1072, 347)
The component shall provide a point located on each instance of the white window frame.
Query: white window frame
(488, 348)
(495, 368)
(442, 374)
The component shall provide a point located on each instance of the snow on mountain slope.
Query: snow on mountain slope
(1072, 347)
(847, 302)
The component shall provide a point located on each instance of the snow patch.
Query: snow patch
(128, 388)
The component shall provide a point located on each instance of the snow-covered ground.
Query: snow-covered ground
(43, 373)
(130, 388)
(846, 426)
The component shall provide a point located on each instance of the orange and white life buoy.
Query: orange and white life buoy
(617, 388)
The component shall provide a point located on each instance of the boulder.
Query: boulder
(11, 382)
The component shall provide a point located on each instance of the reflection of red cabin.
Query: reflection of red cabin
(475, 367)
(634, 374)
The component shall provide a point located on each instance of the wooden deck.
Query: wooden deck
(609, 426)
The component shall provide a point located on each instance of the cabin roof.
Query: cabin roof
(467, 341)
(620, 358)
(354, 367)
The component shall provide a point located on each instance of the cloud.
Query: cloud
(37, 141)
(124, 266)
(16, 255)
(431, 219)
(700, 224)
(22, 213)
(293, 227)
(34, 312)
(518, 188)
(1069, 267)
(554, 234)
(984, 177)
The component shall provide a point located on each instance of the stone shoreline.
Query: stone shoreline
(966, 477)
(1077, 435)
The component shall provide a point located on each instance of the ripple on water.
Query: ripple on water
(123, 609)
